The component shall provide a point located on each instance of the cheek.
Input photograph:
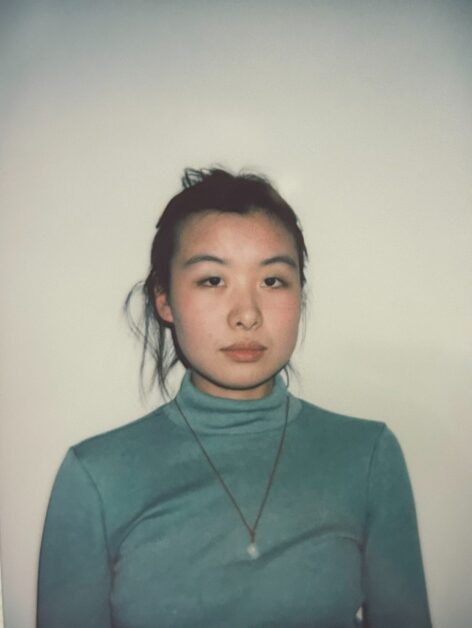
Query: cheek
(288, 312)
(195, 321)
(287, 322)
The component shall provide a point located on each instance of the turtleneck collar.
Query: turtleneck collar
(218, 415)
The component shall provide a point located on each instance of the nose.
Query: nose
(245, 312)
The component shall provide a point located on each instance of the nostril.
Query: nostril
(248, 323)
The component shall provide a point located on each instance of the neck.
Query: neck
(258, 391)
(226, 416)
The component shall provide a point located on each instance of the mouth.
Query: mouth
(244, 351)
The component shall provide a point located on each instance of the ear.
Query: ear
(163, 307)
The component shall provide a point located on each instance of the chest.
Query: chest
(183, 560)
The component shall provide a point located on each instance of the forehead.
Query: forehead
(231, 233)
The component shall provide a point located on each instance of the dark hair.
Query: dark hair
(203, 190)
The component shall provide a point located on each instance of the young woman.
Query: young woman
(235, 504)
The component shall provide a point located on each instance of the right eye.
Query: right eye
(211, 282)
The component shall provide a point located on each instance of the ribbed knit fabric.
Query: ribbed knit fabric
(140, 533)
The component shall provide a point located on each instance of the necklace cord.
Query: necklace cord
(250, 529)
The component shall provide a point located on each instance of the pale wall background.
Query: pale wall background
(360, 112)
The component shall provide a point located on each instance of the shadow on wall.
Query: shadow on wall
(1, 602)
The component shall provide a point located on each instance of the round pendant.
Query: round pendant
(253, 551)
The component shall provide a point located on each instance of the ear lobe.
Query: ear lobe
(163, 307)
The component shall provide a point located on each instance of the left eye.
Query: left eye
(273, 282)
(212, 282)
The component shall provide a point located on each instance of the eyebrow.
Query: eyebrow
(280, 259)
(196, 259)
(276, 259)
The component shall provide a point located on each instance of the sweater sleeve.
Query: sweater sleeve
(394, 581)
(74, 572)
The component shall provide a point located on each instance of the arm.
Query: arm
(74, 571)
(394, 582)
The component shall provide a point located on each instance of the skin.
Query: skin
(234, 300)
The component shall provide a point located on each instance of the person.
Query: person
(235, 503)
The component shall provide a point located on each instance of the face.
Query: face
(234, 301)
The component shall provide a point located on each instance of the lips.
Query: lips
(244, 351)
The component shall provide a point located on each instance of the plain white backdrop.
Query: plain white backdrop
(360, 112)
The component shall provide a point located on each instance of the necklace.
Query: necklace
(251, 549)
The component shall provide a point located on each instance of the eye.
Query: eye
(274, 282)
(211, 282)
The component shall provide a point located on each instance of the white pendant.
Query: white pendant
(253, 551)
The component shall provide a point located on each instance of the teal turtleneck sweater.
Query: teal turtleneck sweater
(141, 534)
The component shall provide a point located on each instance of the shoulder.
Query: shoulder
(132, 441)
(367, 440)
(357, 448)
(354, 437)
(341, 425)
